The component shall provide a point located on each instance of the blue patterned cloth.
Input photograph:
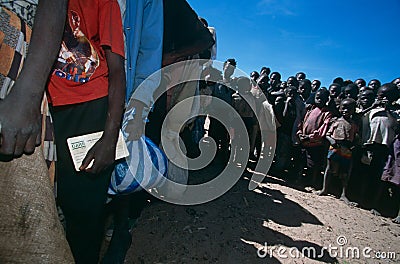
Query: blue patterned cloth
(146, 167)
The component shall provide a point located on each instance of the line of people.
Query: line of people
(348, 131)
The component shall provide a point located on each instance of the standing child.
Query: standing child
(289, 112)
(312, 132)
(334, 101)
(243, 101)
(87, 91)
(391, 172)
(378, 134)
(341, 136)
(223, 91)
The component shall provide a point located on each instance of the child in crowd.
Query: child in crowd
(334, 101)
(87, 91)
(397, 83)
(292, 81)
(285, 113)
(304, 89)
(259, 97)
(342, 137)
(289, 110)
(223, 91)
(350, 91)
(312, 132)
(379, 127)
(391, 172)
(243, 101)
(374, 85)
(254, 76)
(360, 83)
(315, 85)
(365, 100)
(263, 83)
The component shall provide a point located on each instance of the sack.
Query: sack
(146, 167)
(30, 231)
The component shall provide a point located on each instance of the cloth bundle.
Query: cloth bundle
(146, 166)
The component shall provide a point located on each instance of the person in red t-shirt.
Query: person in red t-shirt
(86, 92)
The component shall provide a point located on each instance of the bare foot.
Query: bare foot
(375, 212)
(396, 220)
(348, 202)
(321, 192)
(309, 189)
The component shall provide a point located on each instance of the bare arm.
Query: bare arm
(285, 111)
(135, 127)
(103, 152)
(20, 116)
(332, 142)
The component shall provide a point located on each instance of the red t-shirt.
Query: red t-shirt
(81, 73)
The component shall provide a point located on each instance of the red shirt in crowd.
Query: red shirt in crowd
(81, 73)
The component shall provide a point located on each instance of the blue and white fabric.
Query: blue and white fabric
(146, 167)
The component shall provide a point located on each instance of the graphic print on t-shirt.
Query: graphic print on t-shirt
(77, 60)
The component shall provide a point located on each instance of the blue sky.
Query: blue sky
(324, 39)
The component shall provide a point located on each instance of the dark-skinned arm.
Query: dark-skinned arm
(332, 142)
(20, 116)
(136, 126)
(285, 111)
(103, 152)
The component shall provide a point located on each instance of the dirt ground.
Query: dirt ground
(278, 222)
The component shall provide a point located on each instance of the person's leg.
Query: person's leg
(315, 155)
(380, 154)
(81, 195)
(253, 137)
(397, 219)
(326, 184)
(299, 162)
(225, 145)
(121, 238)
(365, 185)
(344, 175)
(283, 154)
(319, 158)
(258, 143)
(218, 132)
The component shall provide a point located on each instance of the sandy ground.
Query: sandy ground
(276, 223)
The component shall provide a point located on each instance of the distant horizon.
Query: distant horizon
(338, 40)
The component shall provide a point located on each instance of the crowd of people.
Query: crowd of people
(348, 131)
